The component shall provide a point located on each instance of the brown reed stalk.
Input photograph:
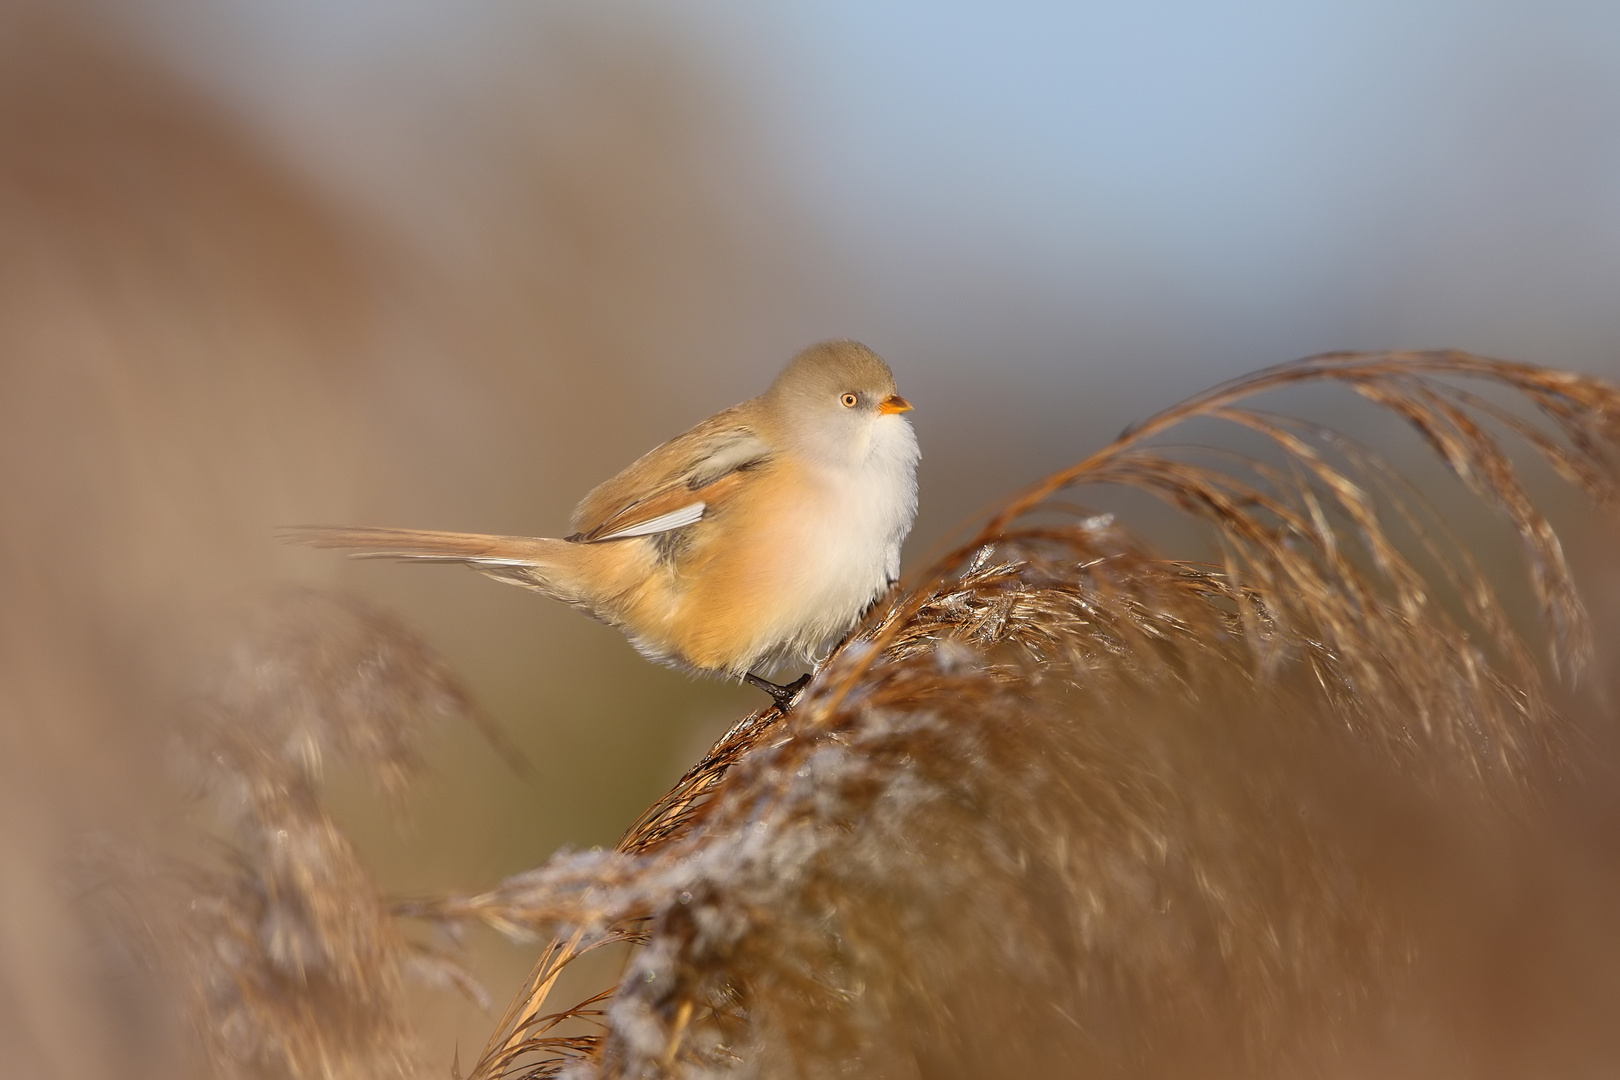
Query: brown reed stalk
(1062, 803)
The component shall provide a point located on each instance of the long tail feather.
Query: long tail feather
(365, 542)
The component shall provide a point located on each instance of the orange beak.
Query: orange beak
(894, 403)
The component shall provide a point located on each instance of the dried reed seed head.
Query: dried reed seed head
(1066, 804)
(310, 674)
(294, 962)
(1049, 848)
(296, 965)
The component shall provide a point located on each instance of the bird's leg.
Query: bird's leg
(783, 694)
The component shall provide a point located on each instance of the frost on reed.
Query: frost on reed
(1062, 806)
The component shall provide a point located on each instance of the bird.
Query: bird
(756, 539)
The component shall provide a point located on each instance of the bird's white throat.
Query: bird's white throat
(854, 531)
(886, 486)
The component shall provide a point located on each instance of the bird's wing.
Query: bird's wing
(683, 515)
(675, 484)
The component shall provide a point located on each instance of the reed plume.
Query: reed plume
(287, 955)
(1064, 805)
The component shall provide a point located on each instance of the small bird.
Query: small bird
(755, 539)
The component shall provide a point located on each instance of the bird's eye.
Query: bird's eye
(849, 400)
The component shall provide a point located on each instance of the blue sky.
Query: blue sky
(1251, 149)
(1270, 176)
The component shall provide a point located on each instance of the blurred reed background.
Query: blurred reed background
(449, 264)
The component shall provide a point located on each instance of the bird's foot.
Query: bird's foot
(782, 694)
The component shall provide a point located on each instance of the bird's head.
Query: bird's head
(837, 402)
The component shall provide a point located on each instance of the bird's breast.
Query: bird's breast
(834, 542)
(788, 562)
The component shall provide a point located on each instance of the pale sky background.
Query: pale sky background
(1187, 183)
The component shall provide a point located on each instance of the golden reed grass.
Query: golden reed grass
(1060, 806)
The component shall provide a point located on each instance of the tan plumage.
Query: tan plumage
(752, 539)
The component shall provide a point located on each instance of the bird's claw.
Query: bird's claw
(782, 694)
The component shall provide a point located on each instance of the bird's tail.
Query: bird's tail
(533, 562)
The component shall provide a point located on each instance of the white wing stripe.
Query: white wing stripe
(675, 519)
